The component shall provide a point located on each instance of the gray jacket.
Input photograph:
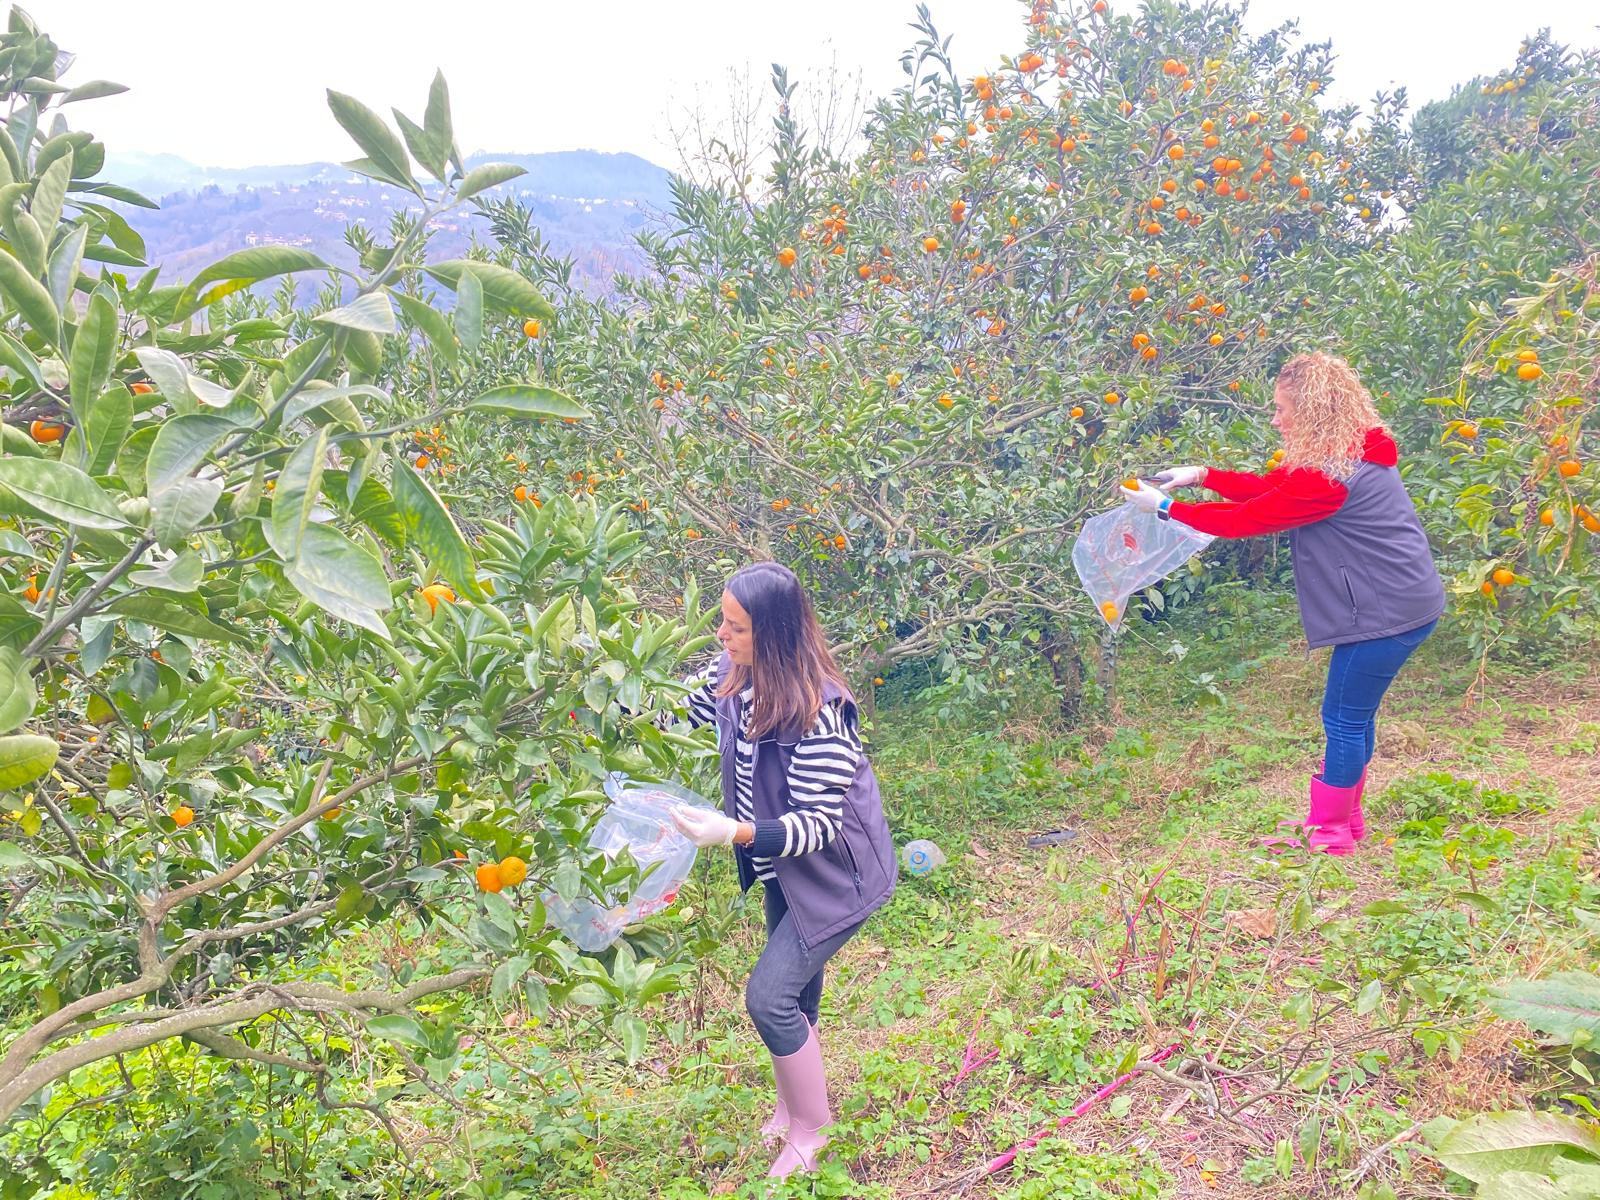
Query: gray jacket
(1366, 572)
(852, 876)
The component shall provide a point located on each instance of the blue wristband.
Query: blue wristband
(1161, 510)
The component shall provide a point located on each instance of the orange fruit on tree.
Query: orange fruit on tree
(1077, 411)
(1505, 577)
(786, 256)
(182, 815)
(1466, 431)
(930, 244)
(1486, 588)
(512, 870)
(436, 592)
(488, 877)
(1112, 398)
(1529, 371)
(421, 461)
(141, 388)
(47, 431)
(1569, 468)
(1175, 151)
(1527, 356)
(1108, 610)
(31, 592)
(1138, 294)
(1547, 517)
(333, 813)
(531, 327)
(520, 493)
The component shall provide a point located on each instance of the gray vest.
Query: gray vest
(1365, 572)
(840, 885)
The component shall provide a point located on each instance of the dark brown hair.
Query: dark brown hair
(792, 659)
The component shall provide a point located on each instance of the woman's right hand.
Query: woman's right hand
(1177, 477)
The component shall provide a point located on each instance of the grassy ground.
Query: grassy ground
(1323, 1009)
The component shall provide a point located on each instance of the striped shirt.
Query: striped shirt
(820, 772)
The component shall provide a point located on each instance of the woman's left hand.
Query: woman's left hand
(1144, 496)
(703, 826)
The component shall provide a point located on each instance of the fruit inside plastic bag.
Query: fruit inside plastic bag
(638, 820)
(1124, 551)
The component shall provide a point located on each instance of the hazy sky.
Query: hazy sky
(224, 83)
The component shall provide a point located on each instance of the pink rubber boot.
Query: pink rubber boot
(1358, 820)
(778, 1124)
(1327, 823)
(805, 1091)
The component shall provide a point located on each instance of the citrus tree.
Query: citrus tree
(1476, 321)
(256, 685)
(911, 375)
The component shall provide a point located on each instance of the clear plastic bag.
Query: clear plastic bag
(1124, 551)
(638, 820)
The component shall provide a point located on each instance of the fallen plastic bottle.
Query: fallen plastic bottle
(922, 856)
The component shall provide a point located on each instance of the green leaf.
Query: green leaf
(93, 349)
(180, 574)
(25, 757)
(507, 976)
(528, 400)
(1491, 1144)
(377, 140)
(481, 179)
(110, 418)
(17, 695)
(469, 312)
(503, 289)
(432, 530)
(339, 576)
(61, 491)
(371, 312)
(432, 323)
(49, 194)
(166, 370)
(176, 618)
(299, 488)
(30, 298)
(635, 1039)
(181, 445)
(436, 120)
(398, 1028)
(331, 403)
(20, 360)
(95, 89)
(433, 158)
(66, 261)
(1560, 1005)
(1386, 908)
(247, 267)
(179, 510)
(1367, 999)
(13, 857)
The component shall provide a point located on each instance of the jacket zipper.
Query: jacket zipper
(1355, 609)
(855, 871)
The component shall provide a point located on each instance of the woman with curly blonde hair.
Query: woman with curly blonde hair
(1363, 573)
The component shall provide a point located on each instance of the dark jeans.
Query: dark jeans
(785, 988)
(1359, 673)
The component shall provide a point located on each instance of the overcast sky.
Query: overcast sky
(223, 83)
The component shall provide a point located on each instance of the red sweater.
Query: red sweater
(1253, 505)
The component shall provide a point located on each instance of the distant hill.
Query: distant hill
(588, 204)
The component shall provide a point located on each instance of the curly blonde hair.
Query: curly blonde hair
(1332, 414)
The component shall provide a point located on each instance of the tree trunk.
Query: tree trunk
(1060, 650)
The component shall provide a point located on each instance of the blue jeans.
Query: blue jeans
(1359, 673)
(785, 988)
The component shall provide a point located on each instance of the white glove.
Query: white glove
(704, 826)
(1144, 496)
(1177, 477)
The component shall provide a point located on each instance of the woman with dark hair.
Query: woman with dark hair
(802, 811)
(1363, 573)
